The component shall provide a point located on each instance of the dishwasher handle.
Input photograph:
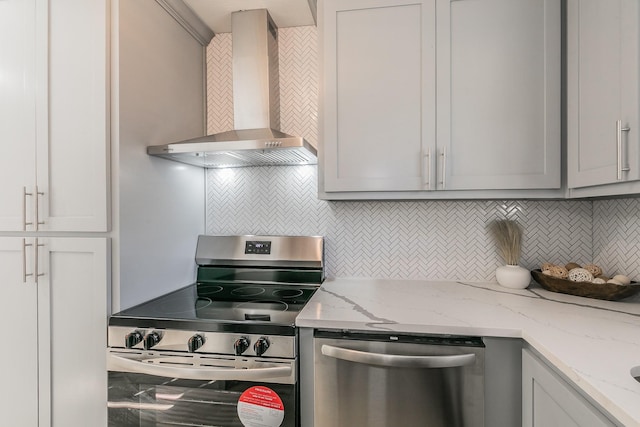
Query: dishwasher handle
(397, 360)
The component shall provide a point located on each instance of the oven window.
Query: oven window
(139, 400)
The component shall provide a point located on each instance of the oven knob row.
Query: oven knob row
(152, 339)
(136, 337)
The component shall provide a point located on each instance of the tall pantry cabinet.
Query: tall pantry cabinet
(54, 250)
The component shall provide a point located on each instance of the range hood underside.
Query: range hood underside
(240, 148)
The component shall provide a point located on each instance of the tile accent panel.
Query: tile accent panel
(398, 240)
(616, 236)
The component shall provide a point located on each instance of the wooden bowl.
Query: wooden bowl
(605, 291)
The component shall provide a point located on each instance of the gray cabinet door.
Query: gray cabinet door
(19, 315)
(378, 121)
(498, 94)
(17, 115)
(72, 301)
(53, 103)
(439, 95)
(548, 401)
(602, 89)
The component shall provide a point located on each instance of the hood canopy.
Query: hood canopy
(255, 140)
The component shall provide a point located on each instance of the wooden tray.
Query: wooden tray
(605, 291)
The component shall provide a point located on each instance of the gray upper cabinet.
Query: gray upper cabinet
(602, 90)
(498, 94)
(378, 66)
(422, 97)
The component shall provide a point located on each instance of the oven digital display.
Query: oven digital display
(257, 247)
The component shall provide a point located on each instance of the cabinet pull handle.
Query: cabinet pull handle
(38, 194)
(443, 155)
(24, 261)
(426, 168)
(619, 130)
(36, 268)
(24, 209)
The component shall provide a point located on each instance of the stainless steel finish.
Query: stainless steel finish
(256, 93)
(398, 360)
(214, 342)
(443, 155)
(24, 209)
(240, 148)
(619, 130)
(24, 261)
(139, 406)
(426, 168)
(38, 194)
(201, 367)
(286, 251)
(362, 394)
(255, 140)
(37, 258)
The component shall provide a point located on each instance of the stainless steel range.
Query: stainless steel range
(224, 350)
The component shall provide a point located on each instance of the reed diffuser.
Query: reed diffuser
(508, 236)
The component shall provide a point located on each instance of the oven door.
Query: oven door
(148, 388)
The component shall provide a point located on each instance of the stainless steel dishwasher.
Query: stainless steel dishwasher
(386, 379)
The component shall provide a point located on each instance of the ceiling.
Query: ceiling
(285, 13)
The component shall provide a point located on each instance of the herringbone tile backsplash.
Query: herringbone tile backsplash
(404, 240)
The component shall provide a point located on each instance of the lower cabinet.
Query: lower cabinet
(549, 401)
(53, 303)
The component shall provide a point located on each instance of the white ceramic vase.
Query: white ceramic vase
(513, 276)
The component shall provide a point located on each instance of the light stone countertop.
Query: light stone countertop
(594, 343)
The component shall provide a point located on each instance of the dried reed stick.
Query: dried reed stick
(508, 236)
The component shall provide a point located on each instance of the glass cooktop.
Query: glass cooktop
(226, 302)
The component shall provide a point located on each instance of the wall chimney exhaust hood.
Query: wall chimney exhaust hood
(255, 139)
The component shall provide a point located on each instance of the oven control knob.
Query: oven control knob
(241, 345)
(151, 339)
(132, 339)
(195, 342)
(261, 346)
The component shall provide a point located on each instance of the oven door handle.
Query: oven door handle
(397, 360)
(118, 363)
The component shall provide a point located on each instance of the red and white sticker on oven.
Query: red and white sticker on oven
(260, 406)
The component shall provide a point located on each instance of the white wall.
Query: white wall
(158, 205)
